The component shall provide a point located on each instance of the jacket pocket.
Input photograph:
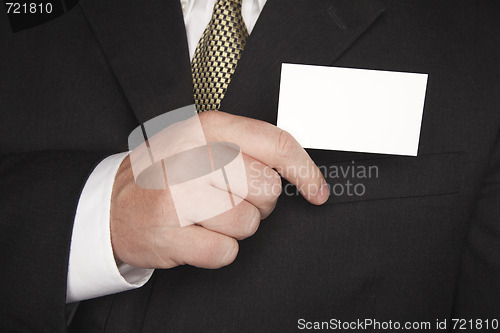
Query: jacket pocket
(363, 177)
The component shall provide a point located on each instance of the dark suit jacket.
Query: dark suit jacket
(422, 244)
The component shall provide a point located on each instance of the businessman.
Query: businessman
(421, 245)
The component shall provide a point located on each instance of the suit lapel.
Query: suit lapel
(302, 31)
(145, 45)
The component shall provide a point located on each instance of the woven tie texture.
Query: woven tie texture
(217, 54)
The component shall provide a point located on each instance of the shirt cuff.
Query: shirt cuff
(92, 270)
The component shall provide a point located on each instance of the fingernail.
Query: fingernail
(231, 253)
(251, 228)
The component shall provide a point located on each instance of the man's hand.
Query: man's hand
(143, 221)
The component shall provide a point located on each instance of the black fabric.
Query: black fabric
(37, 204)
(422, 243)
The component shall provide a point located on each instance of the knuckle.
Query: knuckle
(286, 146)
(209, 117)
(212, 123)
(216, 253)
(209, 251)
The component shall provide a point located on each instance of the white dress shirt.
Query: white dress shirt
(92, 270)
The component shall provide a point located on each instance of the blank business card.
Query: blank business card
(355, 110)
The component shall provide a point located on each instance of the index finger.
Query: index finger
(270, 145)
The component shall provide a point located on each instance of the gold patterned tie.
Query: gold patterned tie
(217, 54)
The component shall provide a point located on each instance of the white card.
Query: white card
(354, 110)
